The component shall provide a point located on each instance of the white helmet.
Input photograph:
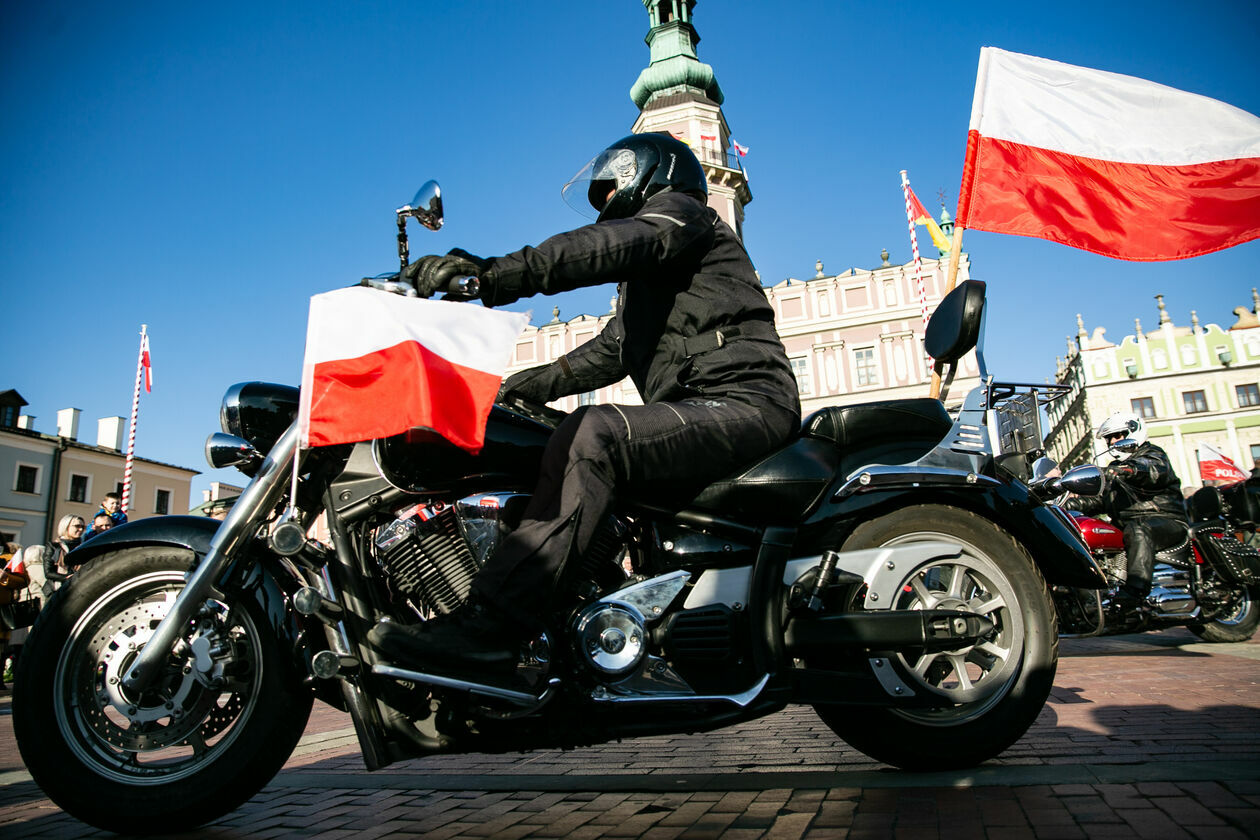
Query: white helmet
(1124, 424)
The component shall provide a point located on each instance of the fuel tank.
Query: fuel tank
(421, 460)
(1099, 535)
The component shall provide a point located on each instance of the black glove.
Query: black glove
(433, 274)
(519, 385)
(1119, 469)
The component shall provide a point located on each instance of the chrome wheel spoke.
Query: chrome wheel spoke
(999, 653)
(997, 602)
(926, 597)
(960, 670)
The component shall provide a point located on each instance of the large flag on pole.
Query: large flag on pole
(1214, 465)
(144, 372)
(1107, 163)
(378, 364)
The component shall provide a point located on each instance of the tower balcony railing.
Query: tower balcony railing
(718, 157)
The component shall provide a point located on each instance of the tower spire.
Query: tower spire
(679, 95)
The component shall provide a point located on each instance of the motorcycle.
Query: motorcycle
(889, 567)
(1209, 582)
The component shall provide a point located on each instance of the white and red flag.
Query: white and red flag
(378, 364)
(1107, 163)
(742, 150)
(146, 362)
(1214, 465)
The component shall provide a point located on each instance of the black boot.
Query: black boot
(472, 637)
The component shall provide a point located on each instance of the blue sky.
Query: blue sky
(205, 168)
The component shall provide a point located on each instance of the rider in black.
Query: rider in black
(1142, 495)
(692, 329)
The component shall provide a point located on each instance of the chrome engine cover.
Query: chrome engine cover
(610, 637)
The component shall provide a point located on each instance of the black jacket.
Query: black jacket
(1152, 490)
(683, 277)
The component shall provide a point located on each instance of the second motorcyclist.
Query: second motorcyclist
(1142, 495)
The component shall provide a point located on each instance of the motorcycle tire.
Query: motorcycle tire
(1239, 626)
(999, 685)
(193, 746)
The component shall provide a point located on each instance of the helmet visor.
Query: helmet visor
(608, 172)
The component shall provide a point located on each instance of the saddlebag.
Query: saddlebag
(1236, 562)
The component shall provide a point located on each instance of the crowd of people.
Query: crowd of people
(33, 573)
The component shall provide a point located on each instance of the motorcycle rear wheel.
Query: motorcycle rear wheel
(1239, 626)
(209, 733)
(1000, 685)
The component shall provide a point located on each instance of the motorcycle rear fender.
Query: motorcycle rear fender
(271, 581)
(1054, 545)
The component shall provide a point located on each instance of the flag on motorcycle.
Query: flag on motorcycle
(378, 364)
(1215, 466)
(1107, 163)
(923, 217)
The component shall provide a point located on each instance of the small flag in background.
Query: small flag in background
(378, 364)
(1107, 163)
(923, 217)
(146, 362)
(1215, 466)
(743, 150)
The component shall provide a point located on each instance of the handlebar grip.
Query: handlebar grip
(463, 288)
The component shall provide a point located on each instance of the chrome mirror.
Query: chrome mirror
(1125, 446)
(224, 450)
(1085, 480)
(426, 206)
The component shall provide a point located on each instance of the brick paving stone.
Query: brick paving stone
(1218, 832)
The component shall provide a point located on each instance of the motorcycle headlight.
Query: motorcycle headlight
(259, 412)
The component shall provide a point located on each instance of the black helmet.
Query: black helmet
(635, 168)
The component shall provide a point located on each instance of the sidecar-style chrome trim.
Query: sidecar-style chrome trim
(519, 697)
(604, 695)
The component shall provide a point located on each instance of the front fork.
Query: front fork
(240, 525)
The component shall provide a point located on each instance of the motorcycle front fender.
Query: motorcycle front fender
(191, 532)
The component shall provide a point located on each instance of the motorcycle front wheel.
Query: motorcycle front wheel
(206, 735)
(998, 686)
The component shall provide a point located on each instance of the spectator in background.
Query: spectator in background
(102, 522)
(111, 506)
(56, 568)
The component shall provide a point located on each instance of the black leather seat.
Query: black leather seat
(778, 488)
(783, 486)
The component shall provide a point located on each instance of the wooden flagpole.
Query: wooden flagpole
(951, 280)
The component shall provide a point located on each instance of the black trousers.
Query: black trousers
(1143, 536)
(662, 453)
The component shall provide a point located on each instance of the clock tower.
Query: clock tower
(678, 94)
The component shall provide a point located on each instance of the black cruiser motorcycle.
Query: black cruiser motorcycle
(1209, 582)
(889, 567)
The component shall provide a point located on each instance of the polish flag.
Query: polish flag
(378, 364)
(146, 363)
(1215, 466)
(743, 150)
(1107, 163)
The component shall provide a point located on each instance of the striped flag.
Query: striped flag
(1107, 163)
(923, 217)
(146, 362)
(378, 364)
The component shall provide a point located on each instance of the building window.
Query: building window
(1143, 407)
(80, 488)
(8, 416)
(1255, 454)
(1195, 402)
(162, 501)
(800, 369)
(864, 366)
(26, 479)
(1248, 395)
(587, 398)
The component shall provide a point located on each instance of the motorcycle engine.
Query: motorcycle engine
(432, 552)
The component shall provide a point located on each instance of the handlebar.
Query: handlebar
(458, 289)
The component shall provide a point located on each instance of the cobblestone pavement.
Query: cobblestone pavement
(1145, 736)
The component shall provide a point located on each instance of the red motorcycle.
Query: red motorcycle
(1209, 582)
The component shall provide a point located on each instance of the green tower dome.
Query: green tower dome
(672, 41)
